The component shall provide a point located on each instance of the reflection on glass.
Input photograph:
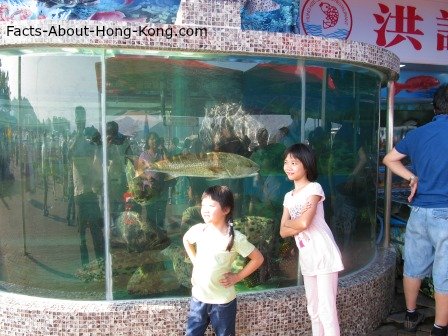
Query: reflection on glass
(86, 178)
(173, 128)
(52, 226)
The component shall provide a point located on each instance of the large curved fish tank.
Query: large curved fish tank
(105, 154)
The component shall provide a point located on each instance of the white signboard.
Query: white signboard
(415, 30)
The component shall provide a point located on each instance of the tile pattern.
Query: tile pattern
(224, 13)
(364, 300)
(214, 39)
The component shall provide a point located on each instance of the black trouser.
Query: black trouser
(89, 217)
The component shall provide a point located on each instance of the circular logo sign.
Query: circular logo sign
(327, 18)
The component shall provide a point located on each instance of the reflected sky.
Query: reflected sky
(55, 85)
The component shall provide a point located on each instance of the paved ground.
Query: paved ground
(393, 326)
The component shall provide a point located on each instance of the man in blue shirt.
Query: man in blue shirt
(426, 240)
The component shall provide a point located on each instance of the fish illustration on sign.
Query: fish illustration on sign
(108, 16)
(253, 6)
(331, 15)
(215, 165)
(417, 83)
(114, 16)
(111, 10)
(70, 3)
(9, 14)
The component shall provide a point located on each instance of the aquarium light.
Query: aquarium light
(70, 50)
(190, 54)
(152, 52)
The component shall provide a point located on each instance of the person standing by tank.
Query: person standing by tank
(426, 238)
(320, 259)
(212, 247)
(156, 185)
(118, 151)
(86, 185)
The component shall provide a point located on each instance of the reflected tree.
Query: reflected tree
(6, 134)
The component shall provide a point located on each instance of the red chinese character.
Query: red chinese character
(442, 31)
(401, 25)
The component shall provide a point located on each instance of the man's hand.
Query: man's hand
(413, 183)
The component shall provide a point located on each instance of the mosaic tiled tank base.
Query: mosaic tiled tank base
(218, 40)
(364, 300)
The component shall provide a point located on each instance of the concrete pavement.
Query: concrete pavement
(393, 326)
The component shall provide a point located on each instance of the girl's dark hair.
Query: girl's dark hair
(304, 154)
(224, 196)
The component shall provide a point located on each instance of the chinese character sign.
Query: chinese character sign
(398, 25)
(442, 30)
(416, 31)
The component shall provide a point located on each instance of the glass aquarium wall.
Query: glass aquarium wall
(107, 153)
(50, 176)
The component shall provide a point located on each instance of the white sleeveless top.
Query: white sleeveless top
(318, 252)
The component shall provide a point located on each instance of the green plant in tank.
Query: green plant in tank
(428, 287)
(262, 232)
(140, 193)
(93, 271)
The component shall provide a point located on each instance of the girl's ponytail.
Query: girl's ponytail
(231, 234)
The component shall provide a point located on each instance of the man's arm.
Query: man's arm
(393, 161)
